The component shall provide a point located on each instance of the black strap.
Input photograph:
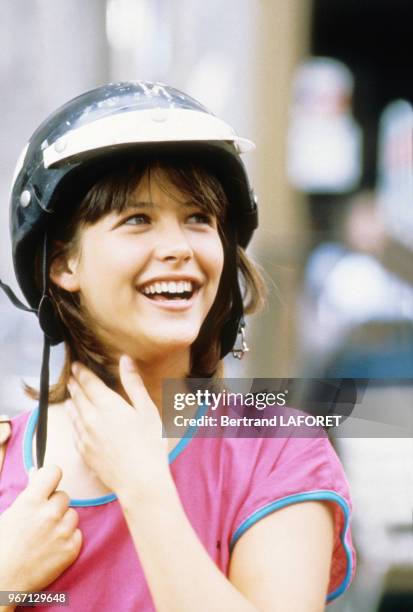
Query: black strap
(44, 308)
(232, 325)
(14, 299)
(44, 374)
(41, 434)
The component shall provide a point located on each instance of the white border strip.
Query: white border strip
(143, 126)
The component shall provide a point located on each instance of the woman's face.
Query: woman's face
(148, 276)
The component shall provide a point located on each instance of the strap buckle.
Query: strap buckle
(239, 352)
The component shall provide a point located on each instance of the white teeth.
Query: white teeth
(168, 287)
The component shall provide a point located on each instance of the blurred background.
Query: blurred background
(324, 88)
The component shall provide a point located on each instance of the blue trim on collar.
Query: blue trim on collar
(104, 499)
(297, 498)
(188, 435)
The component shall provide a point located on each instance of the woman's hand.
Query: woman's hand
(5, 429)
(122, 443)
(38, 534)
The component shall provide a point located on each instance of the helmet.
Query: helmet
(113, 122)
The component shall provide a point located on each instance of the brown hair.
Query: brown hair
(113, 192)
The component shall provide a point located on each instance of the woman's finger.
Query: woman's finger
(70, 521)
(44, 481)
(132, 383)
(91, 385)
(59, 500)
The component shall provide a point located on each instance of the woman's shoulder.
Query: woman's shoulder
(291, 464)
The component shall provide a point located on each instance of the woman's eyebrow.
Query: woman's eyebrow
(193, 204)
(148, 205)
(140, 204)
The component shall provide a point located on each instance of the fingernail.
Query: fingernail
(128, 363)
(75, 367)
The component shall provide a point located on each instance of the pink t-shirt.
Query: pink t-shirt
(225, 485)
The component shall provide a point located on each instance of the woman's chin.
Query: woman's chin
(167, 343)
(173, 343)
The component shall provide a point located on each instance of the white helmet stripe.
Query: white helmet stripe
(143, 126)
(19, 163)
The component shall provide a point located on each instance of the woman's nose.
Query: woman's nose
(173, 246)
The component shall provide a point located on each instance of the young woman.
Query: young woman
(131, 210)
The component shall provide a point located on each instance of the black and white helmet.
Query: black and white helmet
(113, 120)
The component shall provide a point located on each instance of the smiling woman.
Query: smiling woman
(131, 210)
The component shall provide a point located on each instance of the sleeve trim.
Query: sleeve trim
(332, 496)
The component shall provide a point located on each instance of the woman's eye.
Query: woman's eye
(137, 220)
(200, 217)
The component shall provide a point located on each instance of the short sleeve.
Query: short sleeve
(305, 469)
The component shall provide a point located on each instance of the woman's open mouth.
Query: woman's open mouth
(170, 292)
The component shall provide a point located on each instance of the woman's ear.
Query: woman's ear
(63, 271)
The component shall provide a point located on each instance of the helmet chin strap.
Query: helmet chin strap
(235, 325)
(14, 299)
(43, 313)
(41, 435)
